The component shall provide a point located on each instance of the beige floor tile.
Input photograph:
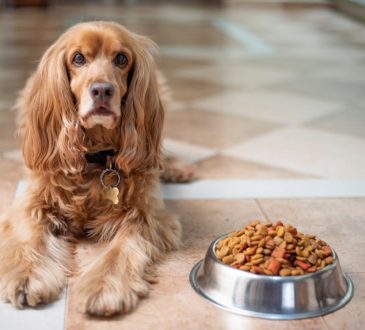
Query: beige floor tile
(337, 221)
(186, 152)
(306, 150)
(353, 73)
(339, 91)
(213, 130)
(350, 122)
(209, 219)
(189, 89)
(222, 167)
(275, 107)
(237, 76)
(176, 65)
(170, 34)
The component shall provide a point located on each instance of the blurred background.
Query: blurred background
(261, 88)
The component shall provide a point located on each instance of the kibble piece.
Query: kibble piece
(224, 251)
(312, 259)
(280, 231)
(274, 266)
(295, 272)
(228, 259)
(240, 257)
(284, 272)
(288, 237)
(257, 261)
(329, 260)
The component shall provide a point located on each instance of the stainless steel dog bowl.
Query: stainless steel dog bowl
(271, 297)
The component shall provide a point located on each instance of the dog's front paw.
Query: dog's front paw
(29, 291)
(109, 296)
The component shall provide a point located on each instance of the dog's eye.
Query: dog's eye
(78, 59)
(121, 60)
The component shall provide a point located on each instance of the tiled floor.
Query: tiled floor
(260, 93)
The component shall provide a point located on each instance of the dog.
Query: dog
(90, 119)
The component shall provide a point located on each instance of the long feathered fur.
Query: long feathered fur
(64, 198)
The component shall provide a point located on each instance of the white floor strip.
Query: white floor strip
(47, 317)
(290, 188)
(236, 189)
(43, 318)
(252, 43)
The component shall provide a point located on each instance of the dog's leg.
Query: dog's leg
(33, 262)
(115, 280)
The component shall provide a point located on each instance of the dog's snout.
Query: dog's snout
(101, 91)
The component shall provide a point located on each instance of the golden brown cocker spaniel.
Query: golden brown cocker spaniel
(90, 118)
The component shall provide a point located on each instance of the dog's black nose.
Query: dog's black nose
(101, 91)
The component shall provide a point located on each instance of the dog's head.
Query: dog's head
(95, 74)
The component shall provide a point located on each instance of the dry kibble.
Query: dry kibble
(329, 260)
(245, 267)
(278, 240)
(280, 231)
(312, 259)
(295, 272)
(273, 249)
(262, 230)
(288, 237)
(305, 253)
(240, 257)
(285, 272)
(228, 259)
(283, 245)
(224, 251)
(257, 261)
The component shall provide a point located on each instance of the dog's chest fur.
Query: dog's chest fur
(79, 206)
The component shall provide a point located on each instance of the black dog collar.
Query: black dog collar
(100, 157)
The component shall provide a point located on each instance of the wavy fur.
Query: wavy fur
(64, 199)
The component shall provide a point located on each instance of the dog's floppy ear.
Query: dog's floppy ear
(48, 118)
(142, 113)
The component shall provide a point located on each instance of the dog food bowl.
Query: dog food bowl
(271, 297)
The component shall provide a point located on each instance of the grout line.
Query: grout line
(261, 209)
(325, 323)
(65, 314)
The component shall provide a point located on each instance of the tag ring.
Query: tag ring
(106, 171)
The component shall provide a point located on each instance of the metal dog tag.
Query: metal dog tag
(112, 194)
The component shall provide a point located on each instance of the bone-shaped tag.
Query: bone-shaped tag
(112, 195)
